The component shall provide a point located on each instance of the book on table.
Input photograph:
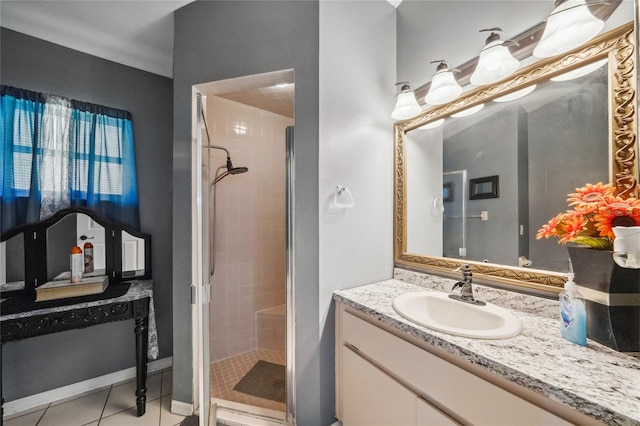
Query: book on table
(62, 289)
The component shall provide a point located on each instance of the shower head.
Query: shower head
(238, 170)
(232, 171)
(229, 166)
(235, 170)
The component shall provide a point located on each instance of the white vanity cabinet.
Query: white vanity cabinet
(373, 398)
(383, 379)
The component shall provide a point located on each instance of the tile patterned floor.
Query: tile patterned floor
(115, 405)
(225, 374)
(110, 406)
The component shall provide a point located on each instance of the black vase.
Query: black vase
(612, 296)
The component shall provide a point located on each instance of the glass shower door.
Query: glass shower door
(203, 288)
(454, 223)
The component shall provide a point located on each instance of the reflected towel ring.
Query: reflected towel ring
(438, 205)
(349, 202)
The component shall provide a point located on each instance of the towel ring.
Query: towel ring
(348, 203)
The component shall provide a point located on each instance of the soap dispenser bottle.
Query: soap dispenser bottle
(573, 315)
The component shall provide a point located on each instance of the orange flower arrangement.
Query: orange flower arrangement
(596, 210)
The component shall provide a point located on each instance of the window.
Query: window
(59, 153)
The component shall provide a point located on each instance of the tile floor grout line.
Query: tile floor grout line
(104, 407)
(42, 415)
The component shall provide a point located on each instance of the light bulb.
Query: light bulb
(494, 63)
(569, 25)
(582, 71)
(469, 111)
(516, 95)
(406, 104)
(432, 125)
(444, 88)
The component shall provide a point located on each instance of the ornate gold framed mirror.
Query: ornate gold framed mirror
(416, 203)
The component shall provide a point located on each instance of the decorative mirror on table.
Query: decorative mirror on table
(564, 133)
(134, 259)
(38, 253)
(74, 229)
(12, 270)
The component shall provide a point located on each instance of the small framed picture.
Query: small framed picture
(448, 194)
(484, 187)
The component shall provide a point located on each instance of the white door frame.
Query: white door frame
(201, 287)
(200, 275)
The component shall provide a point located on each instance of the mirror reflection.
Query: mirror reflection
(132, 256)
(12, 255)
(541, 147)
(75, 229)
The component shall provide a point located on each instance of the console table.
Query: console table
(135, 304)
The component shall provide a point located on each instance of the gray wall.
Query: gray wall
(557, 169)
(15, 258)
(488, 148)
(221, 40)
(41, 66)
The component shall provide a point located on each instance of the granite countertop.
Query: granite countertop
(594, 380)
(139, 289)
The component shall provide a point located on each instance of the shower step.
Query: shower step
(271, 328)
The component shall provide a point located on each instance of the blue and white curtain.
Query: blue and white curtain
(58, 153)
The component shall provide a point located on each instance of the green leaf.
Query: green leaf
(598, 243)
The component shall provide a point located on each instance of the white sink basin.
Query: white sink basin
(435, 310)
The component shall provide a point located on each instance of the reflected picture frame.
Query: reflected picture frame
(448, 192)
(484, 187)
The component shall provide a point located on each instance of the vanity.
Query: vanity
(38, 253)
(390, 370)
(475, 179)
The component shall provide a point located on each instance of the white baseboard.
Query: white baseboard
(181, 408)
(32, 401)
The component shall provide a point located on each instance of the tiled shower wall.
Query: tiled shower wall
(250, 222)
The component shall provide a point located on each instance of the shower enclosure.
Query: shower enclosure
(245, 167)
(454, 214)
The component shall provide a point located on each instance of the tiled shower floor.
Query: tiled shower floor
(227, 373)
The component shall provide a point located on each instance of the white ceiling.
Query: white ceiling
(272, 91)
(137, 33)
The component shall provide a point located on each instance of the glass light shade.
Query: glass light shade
(432, 125)
(582, 71)
(469, 111)
(569, 25)
(444, 88)
(406, 106)
(494, 63)
(516, 95)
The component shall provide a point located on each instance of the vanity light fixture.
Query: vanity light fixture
(444, 87)
(582, 71)
(432, 125)
(495, 61)
(568, 26)
(469, 111)
(406, 104)
(516, 95)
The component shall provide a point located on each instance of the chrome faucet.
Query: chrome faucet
(466, 288)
